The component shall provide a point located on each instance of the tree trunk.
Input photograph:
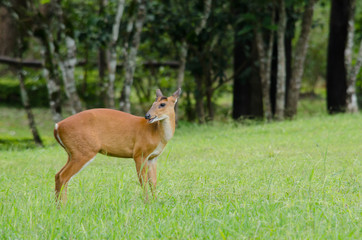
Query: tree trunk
(199, 96)
(336, 70)
(247, 89)
(52, 78)
(205, 16)
(348, 52)
(200, 79)
(189, 110)
(29, 113)
(298, 64)
(241, 89)
(267, 81)
(209, 92)
(265, 68)
(102, 65)
(85, 70)
(351, 98)
(112, 54)
(181, 70)
(7, 28)
(273, 76)
(281, 74)
(67, 60)
(182, 66)
(130, 63)
(255, 88)
(352, 71)
(67, 67)
(12, 43)
(264, 75)
(102, 61)
(210, 105)
(289, 36)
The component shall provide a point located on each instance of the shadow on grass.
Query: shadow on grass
(17, 144)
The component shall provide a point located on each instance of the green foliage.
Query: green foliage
(358, 20)
(168, 23)
(16, 144)
(91, 26)
(38, 93)
(44, 1)
(10, 91)
(296, 180)
(146, 81)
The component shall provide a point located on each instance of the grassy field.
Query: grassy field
(297, 179)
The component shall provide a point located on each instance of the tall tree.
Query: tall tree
(265, 59)
(130, 61)
(38, 18)
(186, 32)
(183, 51)
(51, 75)
(247, 94)
(352, 70)
(7, 26)
(26, 103)
(102, 59)
(112, 54)
(181, 70)
(13, 39)
(298, 64)
(201, 74)
(45, 25)
(67, 66)
(281, 73)
(67, 59)
(336, 70)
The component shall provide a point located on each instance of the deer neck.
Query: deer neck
(167, 128)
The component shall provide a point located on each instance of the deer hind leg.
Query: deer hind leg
(152, 175)
(141, 167)
(58, 185)
(75, 163)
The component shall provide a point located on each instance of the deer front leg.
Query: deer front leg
(141, 167)
(152, 175)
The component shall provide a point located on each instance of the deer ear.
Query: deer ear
(177, 93)
(158, 93)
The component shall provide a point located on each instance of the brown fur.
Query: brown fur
(117, 134)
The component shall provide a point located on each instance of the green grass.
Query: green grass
(297, 179)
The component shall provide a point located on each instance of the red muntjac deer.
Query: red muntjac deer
(116, 134)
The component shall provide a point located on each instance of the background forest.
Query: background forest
(268, 139)
(232, 58)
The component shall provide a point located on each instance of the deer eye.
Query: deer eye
(162, 104)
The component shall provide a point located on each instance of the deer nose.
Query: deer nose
(148, 116)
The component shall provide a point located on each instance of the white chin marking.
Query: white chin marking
(157, 119)
(162, 118)
(153, 120)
